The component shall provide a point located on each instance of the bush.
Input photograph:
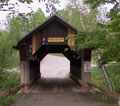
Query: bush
(9, 80)
(5, 101)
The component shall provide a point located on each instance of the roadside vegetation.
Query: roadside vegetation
(9, 80)
(98, 79)
(6, 101)
(16, 28)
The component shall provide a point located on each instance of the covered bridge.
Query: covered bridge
(50, 37)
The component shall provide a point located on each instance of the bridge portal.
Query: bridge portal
(50, 37)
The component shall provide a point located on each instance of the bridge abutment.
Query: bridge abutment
(30, 72)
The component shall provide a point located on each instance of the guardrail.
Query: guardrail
(11, 91)
(93, 88)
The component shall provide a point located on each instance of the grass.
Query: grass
(99, 96)
(6, 101)
(98, 79)
(7, 81)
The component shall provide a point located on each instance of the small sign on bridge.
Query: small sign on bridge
(56, 39)
(87, 66)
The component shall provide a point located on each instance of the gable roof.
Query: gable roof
(54, 17)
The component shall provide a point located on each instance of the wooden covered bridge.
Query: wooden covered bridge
(50, 37)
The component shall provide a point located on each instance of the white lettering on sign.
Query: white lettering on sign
(87, 66)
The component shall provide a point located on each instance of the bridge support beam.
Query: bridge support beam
(86, 65)
(30, 72)
(75, 68)
(86, 75)
(24, 70)
(34, 71)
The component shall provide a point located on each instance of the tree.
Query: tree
(17, 27)
(6, 5)
(95, 33)
(75, 14)
(104, 38)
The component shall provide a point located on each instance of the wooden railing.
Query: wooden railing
(11, 91)
(92, 88)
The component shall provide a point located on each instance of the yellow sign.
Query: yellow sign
(55, 39)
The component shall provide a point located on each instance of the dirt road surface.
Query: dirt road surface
(55, 88)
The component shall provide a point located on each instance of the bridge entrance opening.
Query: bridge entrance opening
(55, 65)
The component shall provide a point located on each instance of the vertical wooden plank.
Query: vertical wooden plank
(22, 51)
(82, 65)
(22, 72)
(87, 76)
(39, 40)
(25, 75)
(34, 46)
(87, 55)
(86, 63)
(71, 42)
(29, 48)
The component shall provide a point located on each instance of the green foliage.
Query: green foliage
(113, 70)
(9, 80)
(80, 20)
(104, 37)
(8, 56)
(97, 79)
(17, 28)
(2, 1)
(12, 98)
(99, 96)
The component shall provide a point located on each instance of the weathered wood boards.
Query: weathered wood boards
(86, 65)
(30, 71)
(71, 42)
(34, 44)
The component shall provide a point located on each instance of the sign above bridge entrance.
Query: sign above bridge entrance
(56, 39)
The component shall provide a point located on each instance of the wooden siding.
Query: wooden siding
(22, 50)
(34, 47)
(26, 50)
(87, 55)
(39, 40)
(71, 42)
(54, 29)
(29, 48)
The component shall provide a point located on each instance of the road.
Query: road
(55, 88)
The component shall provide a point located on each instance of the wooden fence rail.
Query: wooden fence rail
(92, 88)
(11, 91)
